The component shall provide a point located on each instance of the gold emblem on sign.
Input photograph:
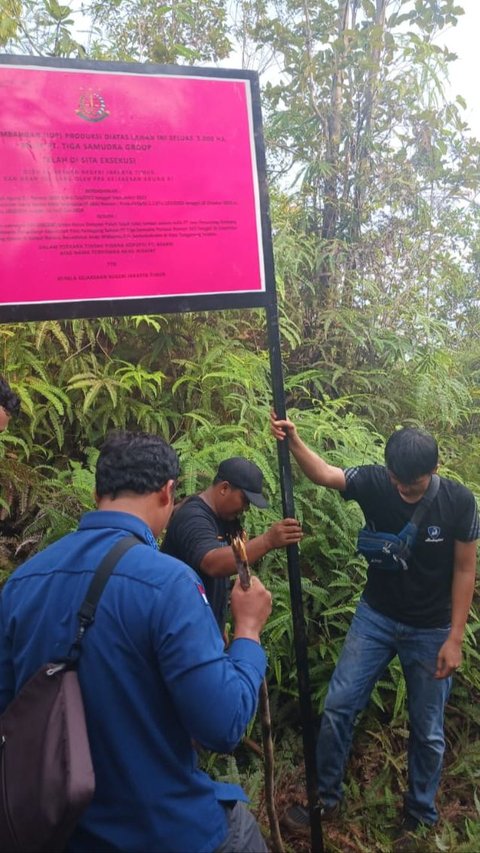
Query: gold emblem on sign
(92, 107)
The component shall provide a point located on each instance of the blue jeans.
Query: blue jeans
(371, 643)
(244, 835)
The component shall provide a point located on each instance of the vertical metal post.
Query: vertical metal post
(294, 577)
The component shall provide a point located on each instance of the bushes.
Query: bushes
(203, 382)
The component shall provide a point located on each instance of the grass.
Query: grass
(375, 779)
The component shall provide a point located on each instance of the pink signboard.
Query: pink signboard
(124, 185)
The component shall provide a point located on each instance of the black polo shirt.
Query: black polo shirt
(193, 531)
(421, 595)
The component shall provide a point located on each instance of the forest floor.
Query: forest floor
(366, 826)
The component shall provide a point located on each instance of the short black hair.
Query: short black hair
(8, 399)
(134, 462)
(411, 453)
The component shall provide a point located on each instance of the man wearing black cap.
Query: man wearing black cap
(202, 525)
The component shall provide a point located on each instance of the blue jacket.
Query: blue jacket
(154, 676)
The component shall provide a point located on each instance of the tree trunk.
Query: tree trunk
(326, 267)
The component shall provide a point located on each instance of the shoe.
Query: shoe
(296, 819)
(411, 835)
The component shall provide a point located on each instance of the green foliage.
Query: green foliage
(39, 26)
(181, 32)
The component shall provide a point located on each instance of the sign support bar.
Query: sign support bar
(294, 577)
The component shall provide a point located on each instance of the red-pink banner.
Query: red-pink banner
(125, 185)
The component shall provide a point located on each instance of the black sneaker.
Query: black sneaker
(297, 818)
(411, 836)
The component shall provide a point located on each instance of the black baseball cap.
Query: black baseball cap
(244, 475)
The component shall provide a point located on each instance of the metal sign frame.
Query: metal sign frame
(157, 304)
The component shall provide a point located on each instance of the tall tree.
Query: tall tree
(360, 114)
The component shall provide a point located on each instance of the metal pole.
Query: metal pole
(294, 577)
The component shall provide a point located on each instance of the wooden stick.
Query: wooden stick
(244, 574)
(240, 553)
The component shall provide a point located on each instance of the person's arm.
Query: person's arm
(215, 694)
(312, 465)
(198, 544)
(463, 585)
(220, 562)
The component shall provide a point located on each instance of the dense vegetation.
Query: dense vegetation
(374, 181)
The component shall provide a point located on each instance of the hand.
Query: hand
(449, 658)
(282, 428)
(283, 533)
(250, 609)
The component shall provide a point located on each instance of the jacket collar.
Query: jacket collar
(103, 519)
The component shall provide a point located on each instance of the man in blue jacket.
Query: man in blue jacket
(153, 671)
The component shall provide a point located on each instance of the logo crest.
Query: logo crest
(201, 590)
(433, 532)
(91, 106)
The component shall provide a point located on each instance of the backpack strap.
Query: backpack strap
(86, 614)
(409, 532)
(426, 501)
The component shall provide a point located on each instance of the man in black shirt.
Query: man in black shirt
(201, 527)
(418, 613)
